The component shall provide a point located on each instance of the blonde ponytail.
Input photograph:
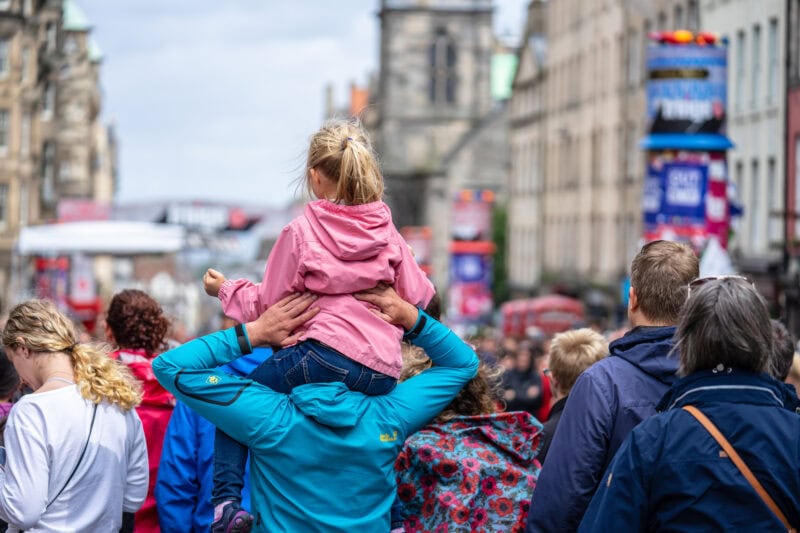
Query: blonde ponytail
(101, 378)
(44, 329)
(342, 151)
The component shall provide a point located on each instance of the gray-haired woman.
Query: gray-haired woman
(671, 473)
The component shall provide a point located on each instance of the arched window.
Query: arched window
(443, 73)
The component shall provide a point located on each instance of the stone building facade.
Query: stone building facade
(52, 145)
(578, 115)
(756, 31)
(434, 121)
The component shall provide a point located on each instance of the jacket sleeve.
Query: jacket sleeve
(177, 488)
(189, 372)
(411, 283)
(244, 300)
(24, 480)
(575, 459)
(620, 503)
(138, 478)
(419, 399)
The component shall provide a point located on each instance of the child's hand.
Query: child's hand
(212, 281)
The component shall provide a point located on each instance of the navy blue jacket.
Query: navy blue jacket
(183, 488)
(669, 475)
(607, 401)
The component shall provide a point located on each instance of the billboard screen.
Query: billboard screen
(686, 89)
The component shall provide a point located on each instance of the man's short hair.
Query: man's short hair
(782, 351)
(572, 352)
(660, 275)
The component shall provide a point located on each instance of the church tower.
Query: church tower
(433, 89)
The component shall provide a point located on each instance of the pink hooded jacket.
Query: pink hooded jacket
(334, 251)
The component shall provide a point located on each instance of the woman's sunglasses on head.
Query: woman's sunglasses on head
(699, 282)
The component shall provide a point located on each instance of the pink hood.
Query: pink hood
(334, 251)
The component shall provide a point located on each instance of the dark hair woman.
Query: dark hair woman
(136, 324)
(672, 472)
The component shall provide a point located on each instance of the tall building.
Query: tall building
(577, 121)
(51, 143)
(756, 31)
(435, 123)
(527, 110)
(793, 131)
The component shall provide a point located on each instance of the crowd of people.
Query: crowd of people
(333, 399)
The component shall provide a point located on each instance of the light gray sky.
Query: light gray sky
(216, 99)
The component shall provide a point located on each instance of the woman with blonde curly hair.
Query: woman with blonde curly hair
(136, 324)
(76, 454)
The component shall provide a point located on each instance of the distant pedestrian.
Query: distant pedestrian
(136, 324)
(345, 242)
(76, 453)
(686, 468)
(571, 352)
(612, 396)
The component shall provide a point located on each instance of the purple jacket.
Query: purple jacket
(334, 251)
(607, 401)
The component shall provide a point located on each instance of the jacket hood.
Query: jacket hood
(517, 433)
(730, 385)
(330, 404)
(140, 363)
(649, 349)
(247, 363)
(350, 232)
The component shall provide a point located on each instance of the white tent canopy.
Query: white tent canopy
(105, 237)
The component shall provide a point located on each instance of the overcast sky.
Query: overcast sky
(216, 99)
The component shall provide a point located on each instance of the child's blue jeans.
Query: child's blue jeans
(309, 361)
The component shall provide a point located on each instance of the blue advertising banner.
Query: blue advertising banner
(685, 191)
(675, 192)
(687, 97)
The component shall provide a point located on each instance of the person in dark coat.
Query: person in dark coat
(611, 397)
(571, 352)
(670, 474)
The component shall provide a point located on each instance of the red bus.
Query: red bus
(551, 314)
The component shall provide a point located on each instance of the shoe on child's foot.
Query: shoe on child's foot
(234, 519)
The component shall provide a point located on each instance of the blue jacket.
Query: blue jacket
(669, 474)
(607, 401)
(322, 457)
(185, 472)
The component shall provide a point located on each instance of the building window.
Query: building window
(774, 197)
(693, 16)
(756, 214)
(50, 36)
(5, 5)
(3, 206)
(48, 101)
(27, 8)
(25, 136)
(25, 63)
(772, 79)
(756, 70)
(3, 131)
(634, 59)
(662, 21)
(65, 170)
(740, 50)
(48, 162)
(679, 22)
(3, 58)
(442, 62)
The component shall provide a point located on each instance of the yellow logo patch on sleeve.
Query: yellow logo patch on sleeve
(213, 380)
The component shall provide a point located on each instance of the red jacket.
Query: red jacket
(155, 412)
